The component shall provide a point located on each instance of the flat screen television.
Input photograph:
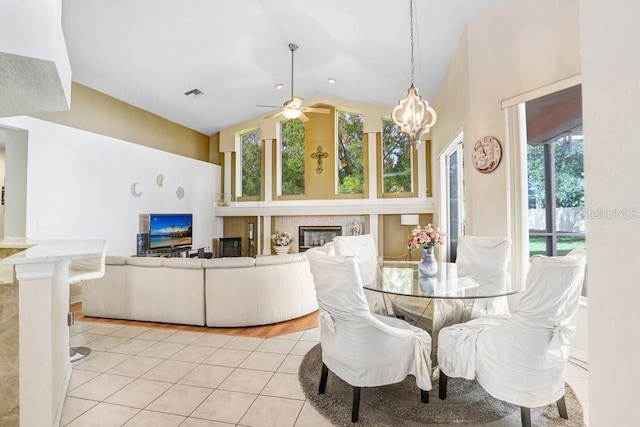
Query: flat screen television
(168, 231)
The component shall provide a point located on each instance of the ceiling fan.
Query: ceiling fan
(292, 108)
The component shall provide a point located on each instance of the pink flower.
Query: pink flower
(425, 237)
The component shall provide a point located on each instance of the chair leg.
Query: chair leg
(356, 404)
(562, 408)
(442, 386)
(323, 379)
(424, 396)
(525, 415)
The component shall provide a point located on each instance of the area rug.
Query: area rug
(399, 404)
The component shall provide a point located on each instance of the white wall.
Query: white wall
(1, 185)
(15, 142)
(610, 37)
(79, 186)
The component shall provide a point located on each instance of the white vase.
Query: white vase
(428, 267)
(282, 250)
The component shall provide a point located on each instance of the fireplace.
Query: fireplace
(310, 236)
(230, 246)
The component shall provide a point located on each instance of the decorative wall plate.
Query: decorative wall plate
(487, 153)
(160, 180)
(180, 192)
(134, 192)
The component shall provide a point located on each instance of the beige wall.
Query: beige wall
(99, 113)
(518, 47)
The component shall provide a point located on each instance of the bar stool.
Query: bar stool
(79, 271)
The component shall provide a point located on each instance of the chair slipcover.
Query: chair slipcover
(486, 260)
(363, 249)
(363, 349)
(521, 359)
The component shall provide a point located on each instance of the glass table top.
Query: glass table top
(402, 278)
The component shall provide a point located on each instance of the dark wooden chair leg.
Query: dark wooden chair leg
(442, 386)
(323, 379)
(356, 405)
(562, 408)
(424, 396)
(525, 415)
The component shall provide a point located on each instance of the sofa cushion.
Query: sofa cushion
(115, 260)
(279, 259)
(231, 262)
(174, 262)
(144, 261)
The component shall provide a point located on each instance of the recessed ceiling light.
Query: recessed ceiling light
(331, 80)
(279, 86)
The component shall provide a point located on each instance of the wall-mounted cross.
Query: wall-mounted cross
(319, 155)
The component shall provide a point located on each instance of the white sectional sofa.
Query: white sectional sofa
(268, 289)
(222, 292)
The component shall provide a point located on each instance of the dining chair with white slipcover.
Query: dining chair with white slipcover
(521, 359)
(79, 271)
(486, 260)
(363, 248)
(361, 348)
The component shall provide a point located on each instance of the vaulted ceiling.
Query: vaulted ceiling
(148, 53)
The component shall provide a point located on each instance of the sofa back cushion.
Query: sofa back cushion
(279, 259)
(231, 262)
(144, 261)
(190, 263)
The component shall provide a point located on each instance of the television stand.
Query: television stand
(169, 253)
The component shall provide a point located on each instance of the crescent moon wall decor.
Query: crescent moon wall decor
(134, 192)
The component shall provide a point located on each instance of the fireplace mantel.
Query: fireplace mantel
(424, 205)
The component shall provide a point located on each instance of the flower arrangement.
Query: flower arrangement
(281, 238)
(427, 237)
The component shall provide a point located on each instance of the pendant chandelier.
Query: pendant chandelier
(412, 114)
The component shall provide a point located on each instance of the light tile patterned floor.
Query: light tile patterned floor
(137, 376)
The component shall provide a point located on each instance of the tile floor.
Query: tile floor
(137, 376)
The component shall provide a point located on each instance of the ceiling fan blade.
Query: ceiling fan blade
(303, 118)
(268, 106)
(316, 110)
(274, 114)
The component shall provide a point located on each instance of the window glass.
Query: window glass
(251, 163)
(292, 133)
(350, 153)
(396, 159)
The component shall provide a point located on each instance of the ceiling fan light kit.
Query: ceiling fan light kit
(413, 115)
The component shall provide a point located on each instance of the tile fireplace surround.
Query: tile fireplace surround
(290, 224)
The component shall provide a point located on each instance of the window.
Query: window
(555, 173)
(556, 194)
(396, 159)
(350, 153)
(251, 146)
(292, 134)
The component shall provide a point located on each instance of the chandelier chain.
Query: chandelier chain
(411, 38)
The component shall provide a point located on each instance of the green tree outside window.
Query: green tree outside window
(350, 150)
(251, 163)
(292, 134)
(396, 159)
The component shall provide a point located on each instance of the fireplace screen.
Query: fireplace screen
(316, 235)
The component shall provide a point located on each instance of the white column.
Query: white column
(266, 241)
(227, 172)
(45, 368)
(421, 152)
(373, 166)
(268, 169)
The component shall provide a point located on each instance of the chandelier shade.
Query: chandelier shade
(413, 115)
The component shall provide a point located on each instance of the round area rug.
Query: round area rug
(399, 404)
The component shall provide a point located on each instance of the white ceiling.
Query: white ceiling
(148, 53)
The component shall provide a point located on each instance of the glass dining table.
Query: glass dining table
(432, 303)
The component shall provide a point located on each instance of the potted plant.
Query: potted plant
(428, 238)
(281, 241)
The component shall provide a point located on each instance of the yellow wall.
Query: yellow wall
(393, 237)
(96, 112)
